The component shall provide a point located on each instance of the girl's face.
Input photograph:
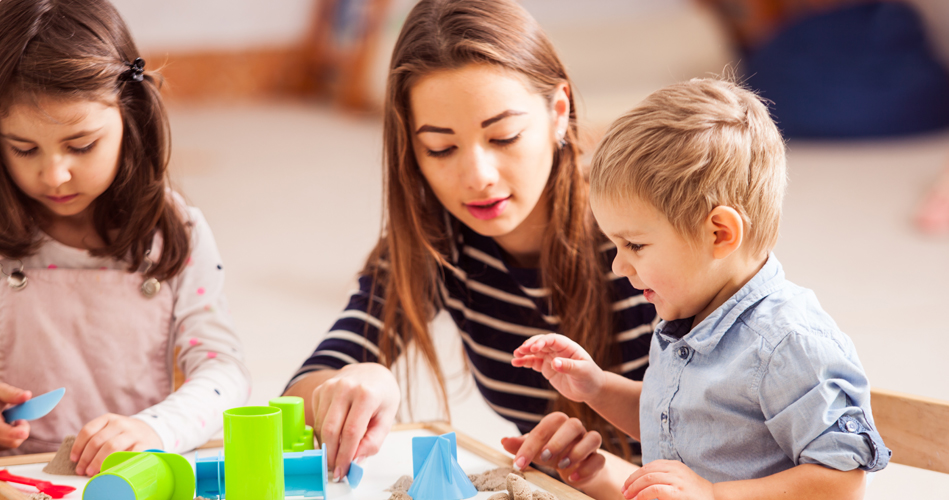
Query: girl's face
(62, 153)
(485, 143)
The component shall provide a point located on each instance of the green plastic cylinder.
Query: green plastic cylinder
(297, 436)
(148, 476)
(253, 453)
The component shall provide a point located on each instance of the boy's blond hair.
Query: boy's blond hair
(692, 146)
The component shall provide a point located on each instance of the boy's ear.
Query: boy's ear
(727, 228)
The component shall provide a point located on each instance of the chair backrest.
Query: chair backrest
(914, 427)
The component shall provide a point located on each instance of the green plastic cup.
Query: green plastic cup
(297, 436)
(130, 475)
(253, 453)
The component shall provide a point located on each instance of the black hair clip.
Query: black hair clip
(136, 71)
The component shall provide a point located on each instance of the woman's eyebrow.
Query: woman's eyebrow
(432, 128)
(77, 135)
(501, 116)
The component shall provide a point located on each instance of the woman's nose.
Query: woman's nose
(481, 172)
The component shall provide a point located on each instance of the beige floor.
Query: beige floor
(292, 192)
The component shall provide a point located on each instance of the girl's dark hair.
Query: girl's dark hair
(81, 49)
(450, 34)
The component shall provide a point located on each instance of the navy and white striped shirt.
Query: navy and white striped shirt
(496, 308)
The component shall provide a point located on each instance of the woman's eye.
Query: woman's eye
(21, 153)
(84, 149)
(634, 247)
(506, 142)
(440, 153)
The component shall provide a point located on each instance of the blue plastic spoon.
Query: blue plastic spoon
(34, 408)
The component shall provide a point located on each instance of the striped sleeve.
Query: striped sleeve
(354, 337)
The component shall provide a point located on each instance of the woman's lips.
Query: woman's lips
(487, 209)
(62, 199)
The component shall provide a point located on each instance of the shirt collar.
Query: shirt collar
(706, 335)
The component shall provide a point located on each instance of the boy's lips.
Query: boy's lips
(649, 294)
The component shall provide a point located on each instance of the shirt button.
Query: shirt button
(664, 417)
(851, 426)
(683, 352)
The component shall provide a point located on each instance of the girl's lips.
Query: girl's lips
(62, 199)
(487, 209)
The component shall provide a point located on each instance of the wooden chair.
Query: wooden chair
(914, 427)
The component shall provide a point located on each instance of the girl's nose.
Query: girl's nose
(480, 170)
(56, 171)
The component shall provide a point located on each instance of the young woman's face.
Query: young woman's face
(485, 143)
(62, 153)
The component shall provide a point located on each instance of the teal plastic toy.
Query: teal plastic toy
(304, 475)
(436, 471)
(297, 436)
(253, 465)
(131, 475)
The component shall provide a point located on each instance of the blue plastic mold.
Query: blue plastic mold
(304, 474)
(35, 408)
(437, 473)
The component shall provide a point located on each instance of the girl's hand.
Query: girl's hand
(563, 363)
(13, 434)
(353, 412)
(667, 480)
(107, 434)
(562, 443)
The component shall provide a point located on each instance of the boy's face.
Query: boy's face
(676, 276)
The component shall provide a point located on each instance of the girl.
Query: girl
(487, 217)
(107, 272)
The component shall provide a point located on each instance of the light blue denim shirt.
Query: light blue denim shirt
(763, 384)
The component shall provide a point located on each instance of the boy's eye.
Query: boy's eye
(508, 141)
(84, 149)
(441, 153)
(634, 247)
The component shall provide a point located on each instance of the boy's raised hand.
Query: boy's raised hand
(13, 434)
(667, 480)
(563, 363)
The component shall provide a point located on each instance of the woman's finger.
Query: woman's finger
(557, 449)
(537, 439)
(352, 431)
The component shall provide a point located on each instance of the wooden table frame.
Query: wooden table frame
(536, 477)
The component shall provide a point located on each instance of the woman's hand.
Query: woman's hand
(562, 443)
(14, 433)
(667, 480)
(353, 412)
(563, 363)
(107, 434)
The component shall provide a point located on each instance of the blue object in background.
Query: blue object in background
(861, 71)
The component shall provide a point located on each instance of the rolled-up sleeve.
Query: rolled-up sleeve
(816, 403)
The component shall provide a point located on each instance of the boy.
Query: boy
(752, 391)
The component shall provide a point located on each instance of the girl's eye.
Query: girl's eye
(84, 149)
(506, 142)
(21, 153)
(439, 154)
(634, 247)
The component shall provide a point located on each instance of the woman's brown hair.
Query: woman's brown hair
(449, 34)
(81, 49)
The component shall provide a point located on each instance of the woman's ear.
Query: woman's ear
(561, 111)
(728, 230)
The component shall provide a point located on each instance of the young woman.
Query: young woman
(486, 216)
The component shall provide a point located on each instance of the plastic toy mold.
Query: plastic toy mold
(304, 474)
(36, 407)
(436, 471)
(130, 475)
